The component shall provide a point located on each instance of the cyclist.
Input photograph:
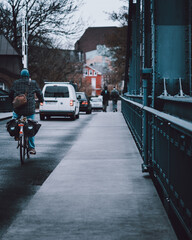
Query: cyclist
(21, 86)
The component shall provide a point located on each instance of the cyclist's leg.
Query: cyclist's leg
(31, 142)
(31, 139)
(31, 117)
(15, 115)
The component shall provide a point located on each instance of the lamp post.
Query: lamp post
(25, 39)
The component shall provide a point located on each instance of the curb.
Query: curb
(8, 117)
(4, 118)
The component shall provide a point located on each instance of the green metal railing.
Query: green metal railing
(169, 154)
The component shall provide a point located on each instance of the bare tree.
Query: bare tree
(117, 43)
(55, 65)
(45, 18)
(86, 87)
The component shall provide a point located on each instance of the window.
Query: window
(57, 91)
(90, 72)
(86, 72)
(81, 96)
(95, 73)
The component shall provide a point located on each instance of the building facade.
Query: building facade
(96, 57)
(10, 64)
(92, 80)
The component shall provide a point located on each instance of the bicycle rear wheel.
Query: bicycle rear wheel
(22, 149)
(26, 140)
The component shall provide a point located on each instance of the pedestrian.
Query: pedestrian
(106, 95)
(25, 85)
(114, 98)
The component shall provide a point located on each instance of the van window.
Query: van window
(56, 91)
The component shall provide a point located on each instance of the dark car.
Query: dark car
(85, 105)
(5, 101)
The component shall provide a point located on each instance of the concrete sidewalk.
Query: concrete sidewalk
(97, 192)
(5, 115)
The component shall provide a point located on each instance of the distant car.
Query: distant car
(84, 101)
(96, 103)
(60, 100)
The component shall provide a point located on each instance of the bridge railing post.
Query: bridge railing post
(145, 129)
(146, 72)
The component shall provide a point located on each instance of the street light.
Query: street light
(25, 40)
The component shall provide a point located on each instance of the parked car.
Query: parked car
(96, 103)
(84, 101)
(5, 101)
(59, 100)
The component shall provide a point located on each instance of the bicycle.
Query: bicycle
(23, 142)
(21, 128)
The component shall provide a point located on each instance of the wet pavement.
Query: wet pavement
(96, 192)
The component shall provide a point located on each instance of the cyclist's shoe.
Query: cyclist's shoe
(32, 151)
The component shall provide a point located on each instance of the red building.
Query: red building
(93, 79)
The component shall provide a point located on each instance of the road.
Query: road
(19, 183)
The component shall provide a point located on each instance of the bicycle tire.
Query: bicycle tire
(27, 147)
(22, 149)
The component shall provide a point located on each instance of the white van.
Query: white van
(59, 100)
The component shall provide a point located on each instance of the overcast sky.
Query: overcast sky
(94, 12)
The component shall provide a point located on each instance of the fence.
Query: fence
(168, 157)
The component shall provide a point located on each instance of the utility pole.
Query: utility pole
(25, 39)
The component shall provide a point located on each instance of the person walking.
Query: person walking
(106, 95)
(114, 98)
(25, 85)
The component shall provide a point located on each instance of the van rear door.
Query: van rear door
(57, 98)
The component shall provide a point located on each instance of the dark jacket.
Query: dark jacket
(106, 96)
(114, 95)
(20, 86)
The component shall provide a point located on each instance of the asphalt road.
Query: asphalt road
(19, 183)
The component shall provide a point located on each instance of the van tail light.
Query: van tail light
(71, 102)
(84, 102)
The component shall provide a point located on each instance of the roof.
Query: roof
(6, 48)
(92, 37)
(98, 72)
